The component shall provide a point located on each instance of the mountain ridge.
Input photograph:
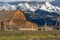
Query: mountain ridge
(47, 6)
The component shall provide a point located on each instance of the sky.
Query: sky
(25, 0)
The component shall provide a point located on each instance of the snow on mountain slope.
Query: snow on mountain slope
(13, 7)
(48, 7)
(8, 7)
(21, 6)
(29, 7)
(26, 6)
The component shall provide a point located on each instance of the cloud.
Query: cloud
(25, 0)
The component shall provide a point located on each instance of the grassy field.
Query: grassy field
(29, 35)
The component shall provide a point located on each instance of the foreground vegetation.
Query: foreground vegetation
(29, 35)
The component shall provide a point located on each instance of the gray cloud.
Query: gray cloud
(25, 0)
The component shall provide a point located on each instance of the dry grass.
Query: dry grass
(25, 35)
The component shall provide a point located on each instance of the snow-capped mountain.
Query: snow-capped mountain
(13, 7)
(30, 6)
(8, 7)
(21, 6)
(48, 7)
(26, 6)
